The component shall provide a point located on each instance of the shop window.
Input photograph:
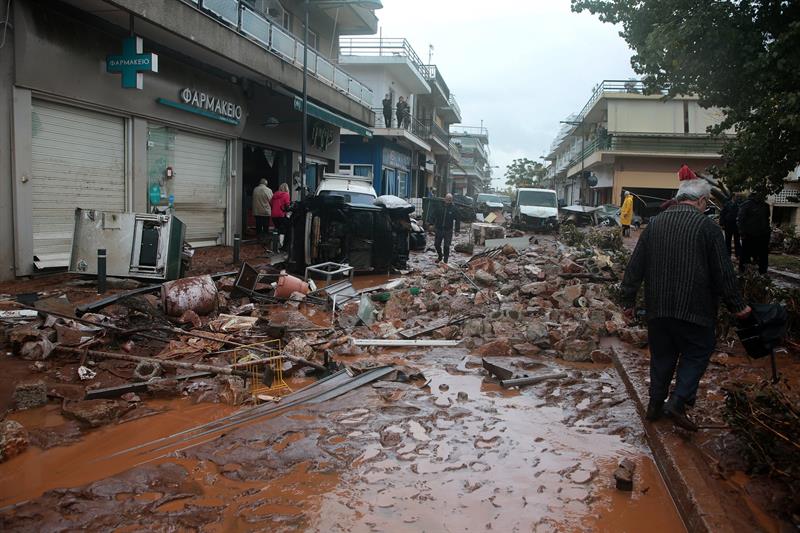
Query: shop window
(403, 184)
(356, 170)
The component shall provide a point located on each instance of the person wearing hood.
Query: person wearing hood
(626, 214)
(262, 211)
(755, 231)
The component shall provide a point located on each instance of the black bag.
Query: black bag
(764, 329)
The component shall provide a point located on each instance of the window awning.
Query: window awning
(332, 118)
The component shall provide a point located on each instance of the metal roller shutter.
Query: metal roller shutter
(78, 160)
(200, 187)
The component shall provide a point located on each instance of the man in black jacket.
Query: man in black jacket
(753, 223)
(682, 260)
(727, 219)
(387, 111)
(444, 223)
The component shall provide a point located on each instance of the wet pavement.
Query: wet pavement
(386, 457)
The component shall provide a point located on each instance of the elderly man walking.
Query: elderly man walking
(682, 259)
(262, 210)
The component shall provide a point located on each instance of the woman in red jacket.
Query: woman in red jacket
(280, 201)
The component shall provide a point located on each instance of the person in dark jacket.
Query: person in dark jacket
(444, 228)
(727, 219)
(387, 111)
(754, 229)
(681, 259)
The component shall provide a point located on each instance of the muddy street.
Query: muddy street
(460, 454)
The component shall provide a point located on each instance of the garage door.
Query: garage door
(201, 187)
(78, 160)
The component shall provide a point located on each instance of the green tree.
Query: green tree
(524, 173)
(742, 56)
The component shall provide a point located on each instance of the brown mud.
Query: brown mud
(390, 456)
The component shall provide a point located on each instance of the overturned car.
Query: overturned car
(371, 237)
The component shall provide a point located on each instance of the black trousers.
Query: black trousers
(262, 226)
(387, 118)
(445, 237)
(755, 250)
(732, 234)
(683, 345)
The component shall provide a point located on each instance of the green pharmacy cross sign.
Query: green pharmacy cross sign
(132, 63)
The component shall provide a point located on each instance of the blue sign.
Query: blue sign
(132, 63)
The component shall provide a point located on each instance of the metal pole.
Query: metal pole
(583, 149)
(237, 242)
(101, 270)
(303, 147)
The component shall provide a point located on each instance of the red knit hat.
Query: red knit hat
(685, 173)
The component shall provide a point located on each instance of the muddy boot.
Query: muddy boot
(654, 411)
(679, 418)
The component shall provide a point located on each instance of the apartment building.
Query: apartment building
(625, 139)
(407, 155)
(470, 172)
(182, 104)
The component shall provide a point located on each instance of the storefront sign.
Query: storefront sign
(392, 158)
(132, 63)
(320, 135)
(206, 102)
(208, 106)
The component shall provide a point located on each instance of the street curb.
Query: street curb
(704, 502)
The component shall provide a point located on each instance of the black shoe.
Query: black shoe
(437, 260)
(679, 418)
(445, 260)
(654, 411)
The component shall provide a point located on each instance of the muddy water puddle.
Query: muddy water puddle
(385, 457)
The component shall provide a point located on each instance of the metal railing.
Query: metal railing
(459, 130)
(455, 151)
(259, 29)
(380, 47)
(616, 86)
(434, 77)
(435, 131)
(410, 123)
(643, 143)
(454, 105)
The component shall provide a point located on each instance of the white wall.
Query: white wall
(635, 115)
(377, 78)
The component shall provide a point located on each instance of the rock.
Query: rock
(527, 349)
(472, 328)
(30, 394)
(511, 269)
(497, 347)
(623, 475)
(131, 397)
(484, 278)
(578, 350)
(94, 413)
(509, 251)
(601, 356)
(573, 292)
(190, 317)
(465, 248)
(481, 297)
(232, 390)
(13, 439)
(36, 350)
(536, 332)
(447, 332)
(163, 387)
(570, 267)
(297, 347)
(635, 336)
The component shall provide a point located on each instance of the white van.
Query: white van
(535, 209)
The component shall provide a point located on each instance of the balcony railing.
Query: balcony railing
(615, 86)
(454, 105)
(469, 131)
(432, 74)
(276, 40)
(685, 144)
(455, 152)
(435, 131)
(380, 47)
(411, 124)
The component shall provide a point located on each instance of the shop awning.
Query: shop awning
(332, 118)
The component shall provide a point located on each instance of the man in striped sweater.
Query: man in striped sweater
(682, 259)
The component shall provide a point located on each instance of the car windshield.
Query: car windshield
(496, 198)
(537, 198)
(609, 209)
(350, 197)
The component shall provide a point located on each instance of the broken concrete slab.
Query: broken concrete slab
(94, 413)
(13, 439)
(29, 395)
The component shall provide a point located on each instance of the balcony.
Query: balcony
(455, 151)
(395, 55)
(440, 139)
(257, 28)
(452, 111)
(415, 131)
(647, 144)
(439, 89)
(477, 132)
(619, 87)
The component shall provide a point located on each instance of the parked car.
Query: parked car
(608, 215)
(489, 202)
(342, 223)
(535, 209)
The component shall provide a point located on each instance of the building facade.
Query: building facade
(183, 104)
(625, 139)
(408, 154)
(470, 172)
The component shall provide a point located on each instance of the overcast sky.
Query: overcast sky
(518, 65)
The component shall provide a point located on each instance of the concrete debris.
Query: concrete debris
(29, 395)
(13, 439)
(198, 294)
(86, 373)
(465, 248)
(94, 413)
(623, 475)
(297, 347)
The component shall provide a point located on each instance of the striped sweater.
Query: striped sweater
(686, 269)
